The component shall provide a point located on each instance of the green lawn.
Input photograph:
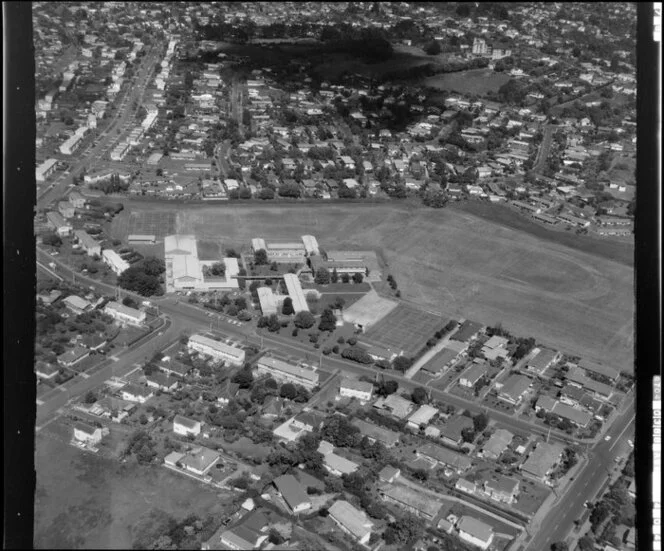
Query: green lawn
(475, 81)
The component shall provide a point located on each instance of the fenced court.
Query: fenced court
(155, 222)
(404, 328)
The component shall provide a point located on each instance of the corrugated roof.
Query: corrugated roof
(354, 520)
(475, 528)
(291, 490)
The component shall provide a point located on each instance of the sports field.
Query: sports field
(475, 81)
(404, 328)
(462, 265)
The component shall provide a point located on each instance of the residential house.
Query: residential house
(475, 532)
(184, 426)
(77, 305)
(73, 356)
(472, 375)
(351, 520)
(87, 434)
(397, 405)
(495, 347)
(338, 465)
(125, 315)
(497, 444)
(292, 493)
(502, 489)
(375, 433)
(136, 393)
(541, 360)
(422, 416)
(199, 460)
(514, 389)
(445, 457)
(452, 431)
(353, 388)
(389, 474)
(307, 421)
(542, 461)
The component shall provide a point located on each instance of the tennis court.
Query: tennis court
(152, 223)
(405, 328)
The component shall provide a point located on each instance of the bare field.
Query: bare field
(83, 501)
(463, 266)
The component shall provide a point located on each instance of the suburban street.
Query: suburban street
(103, 141)
(543, 152)
(589, 481)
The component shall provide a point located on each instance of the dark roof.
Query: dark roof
(467, 331)
(291, 490)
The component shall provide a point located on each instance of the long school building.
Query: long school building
(219, 350)
(286, 372)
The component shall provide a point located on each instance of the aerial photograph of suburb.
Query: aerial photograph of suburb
(328, 276)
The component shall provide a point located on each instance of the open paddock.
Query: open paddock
(575, 293)
(404, 328)
(84, 500)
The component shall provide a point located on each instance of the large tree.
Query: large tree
(322, 276)
(304, 320)
(287, 308)
(328, 321)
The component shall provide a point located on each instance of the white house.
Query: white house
(114, 261)
(353, 388)
(124, 314)
(87, 434)
(351, 520)
(475, 532)
(185, 427)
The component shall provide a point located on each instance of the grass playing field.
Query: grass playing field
(475, 81)
(529, 279)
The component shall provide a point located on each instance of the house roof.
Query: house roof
(502, 484)
(354, 384)
(542, 459)
(452, 429)
(423, 415)
(291, 490)
(600, 369)
(440, 360)
(380, 434)
(136, 390)
(200, 458)
(543, 358)
(388, 472)
(185, 422)
(467, 330)
(242, 537)
(398, 405)
(84, 427)
(475, 528)
(340, 464)
(77, 302)
(445, 456)
(354, 520)
(498, 442)
(474, 373)
(515, 386)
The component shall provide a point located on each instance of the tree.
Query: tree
(419, 395)
(334, 276)
(322, 276)
(433, 48)
(266, 193)
(345, 278)
(51, 239)
(467, 434)
(244, 377)
(357, 355)
(218, 269)
(287, 308)
(328, 321)
(404, 531)
(90, 398)
(559, 546)
(357, 278)
(260, 257)
(480, 422)
(304, 320)
(401, 363)
(273, 324)
(339, 431)
(288, 391)
(385, 388)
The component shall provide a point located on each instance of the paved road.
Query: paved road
(589, 481)
(103, 141)
(545, 146)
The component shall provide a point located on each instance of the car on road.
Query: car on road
(631, 444)
(607, 438)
